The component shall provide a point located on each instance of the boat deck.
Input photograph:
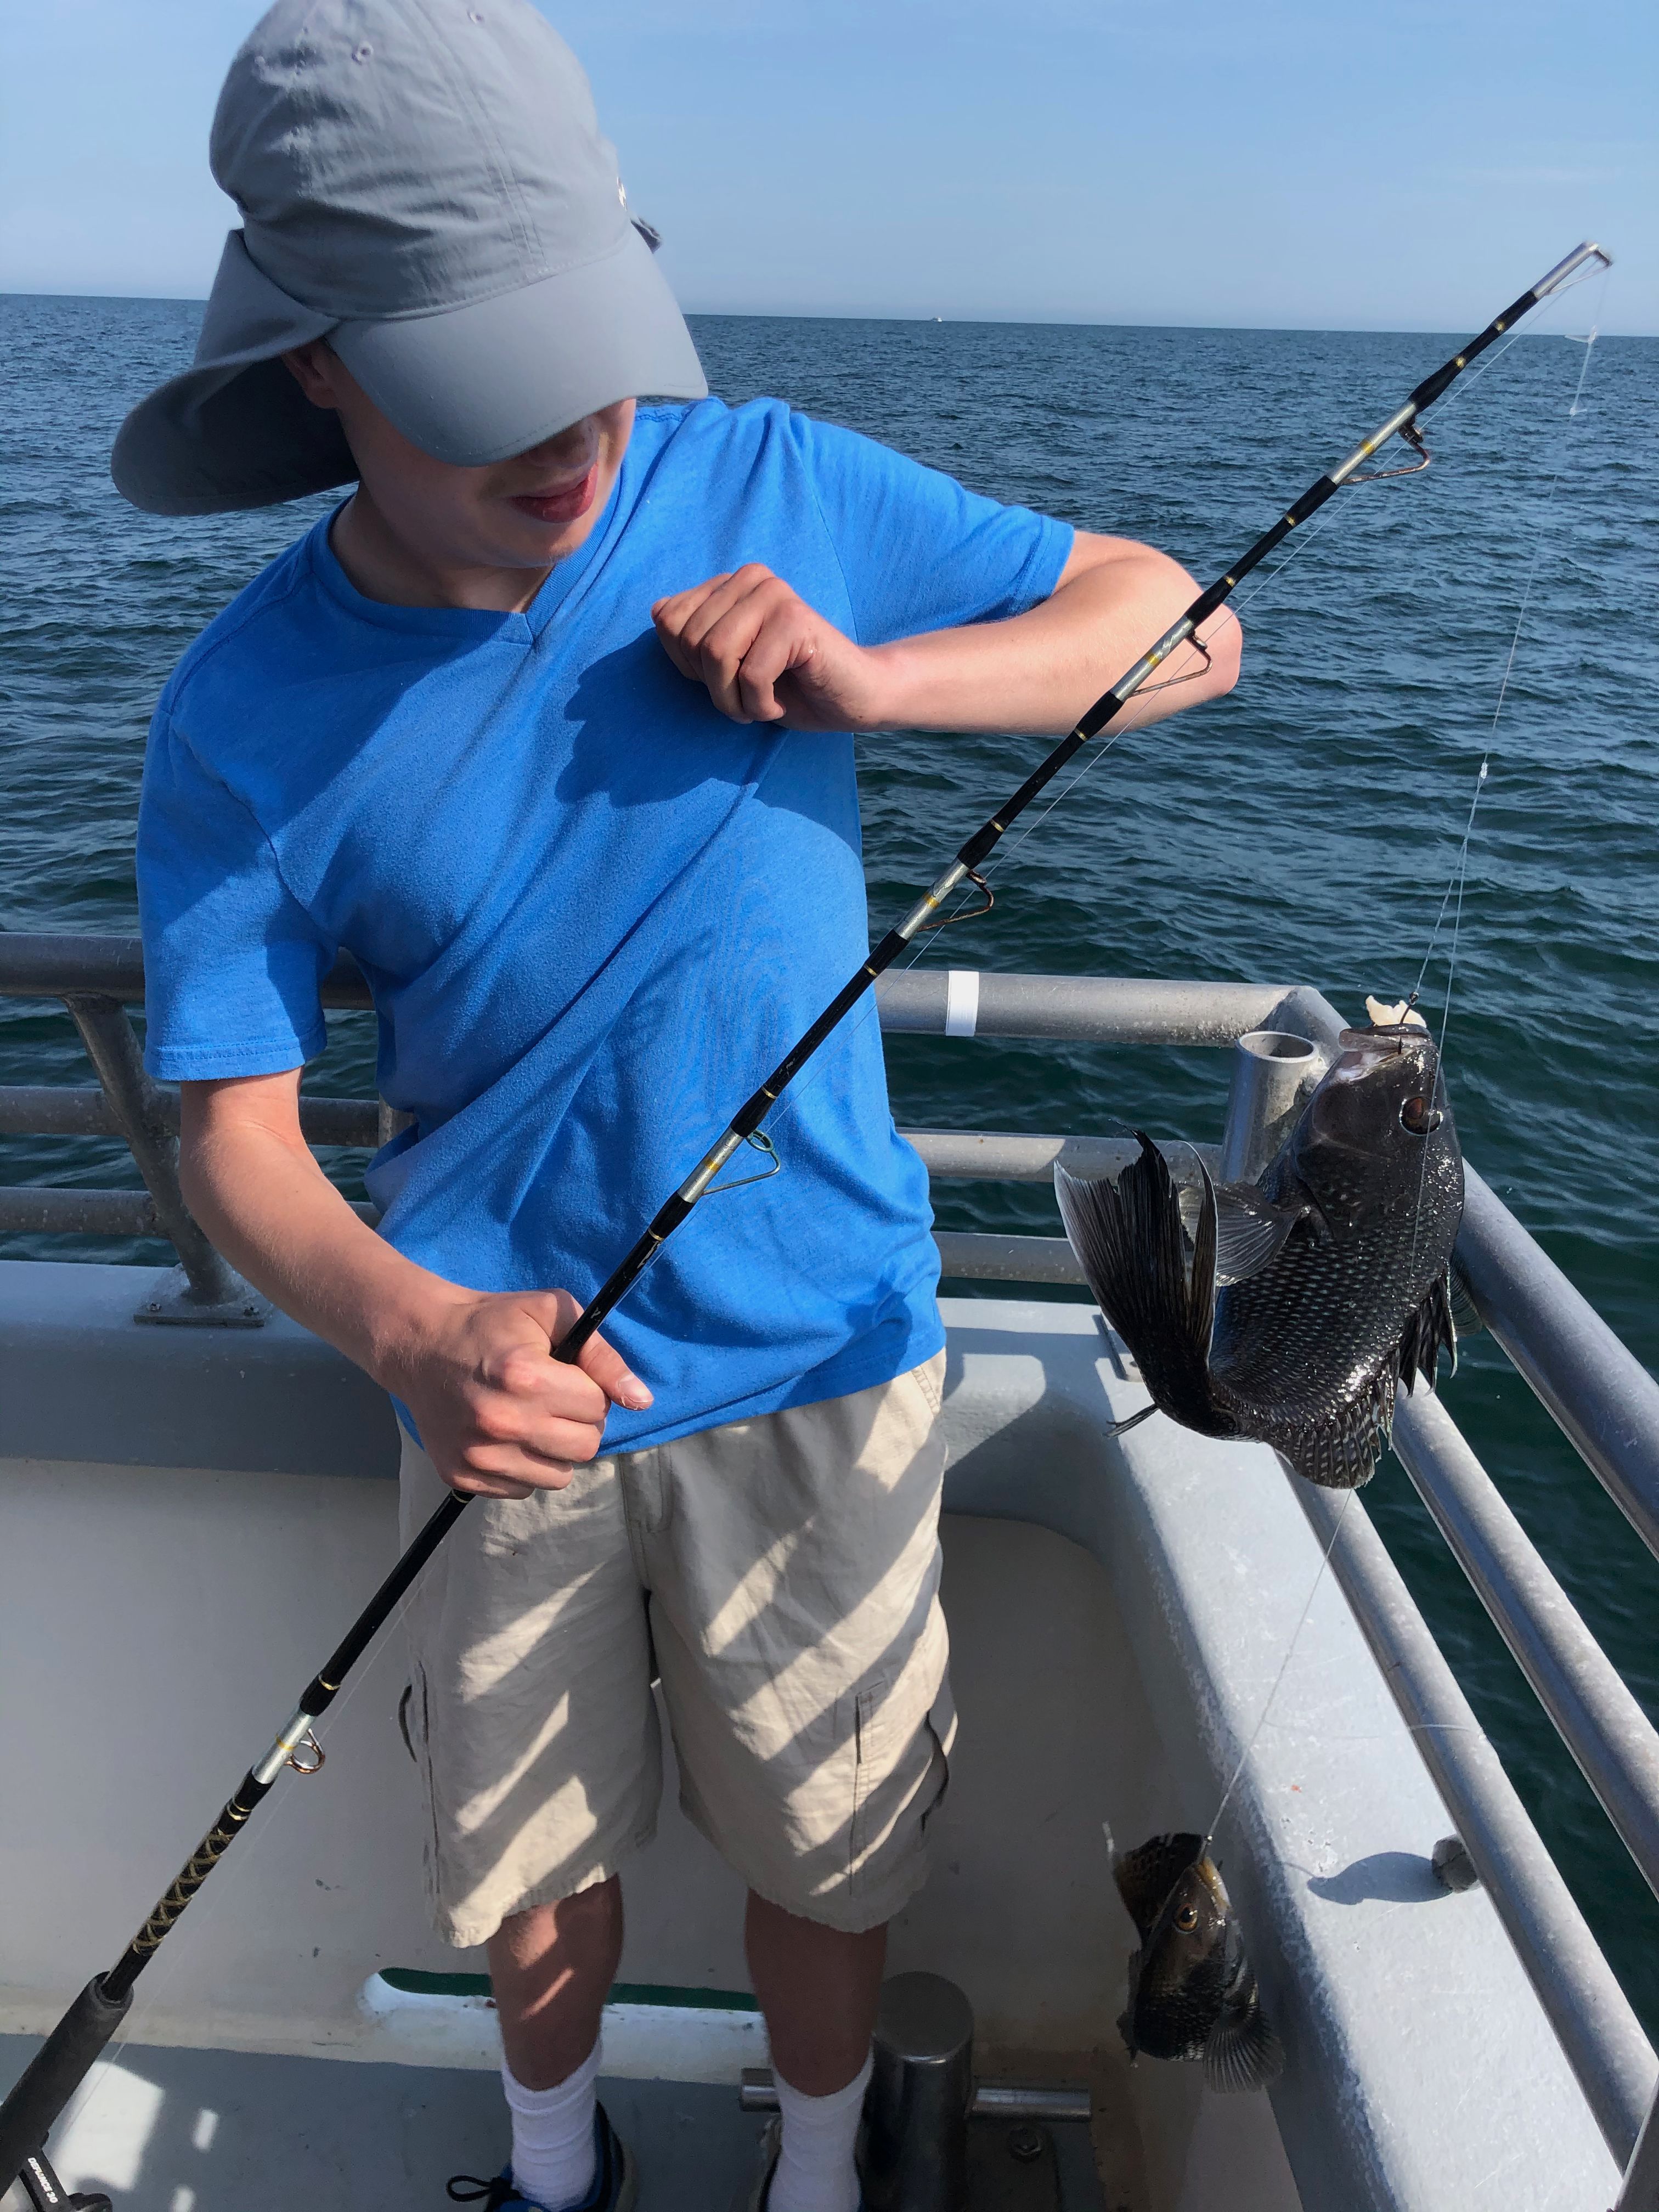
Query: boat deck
(207, 2130)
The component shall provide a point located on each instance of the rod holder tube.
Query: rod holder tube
(921, 2090)
(54, 2074)
(1273, 1073)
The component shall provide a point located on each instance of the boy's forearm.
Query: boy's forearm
(1040, 671)
(273, 1214)
(498, 1414)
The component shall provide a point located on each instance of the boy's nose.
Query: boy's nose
(566, 447)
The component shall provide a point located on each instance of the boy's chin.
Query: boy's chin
(523, 542)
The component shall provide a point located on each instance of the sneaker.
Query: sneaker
(766, 2163)
(616, 2183)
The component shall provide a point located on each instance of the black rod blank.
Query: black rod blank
(39, 2098)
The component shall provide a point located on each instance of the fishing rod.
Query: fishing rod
(59, 2068)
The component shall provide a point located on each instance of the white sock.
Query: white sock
(815, 2170)
(553, 2160)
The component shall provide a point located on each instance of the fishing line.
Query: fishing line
(1333, 516)
(1456, 880)
(1128, 724)
(1284, 1669)
(1456, 883)
(1453, 894)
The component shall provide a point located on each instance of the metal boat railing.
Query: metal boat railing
(1599, 1395)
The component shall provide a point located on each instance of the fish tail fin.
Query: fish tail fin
(1128, 1238)
(1241, 2051)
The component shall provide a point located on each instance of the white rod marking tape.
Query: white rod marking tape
(961, 1001)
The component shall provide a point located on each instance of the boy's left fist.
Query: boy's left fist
(767, 656)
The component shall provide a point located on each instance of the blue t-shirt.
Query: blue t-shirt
(593, 913)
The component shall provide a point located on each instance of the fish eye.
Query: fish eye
(1418, 1119)
(1187, 1919)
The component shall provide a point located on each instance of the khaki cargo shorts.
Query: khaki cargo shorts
(781, 1575)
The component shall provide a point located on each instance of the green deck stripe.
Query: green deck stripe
(414, 1982)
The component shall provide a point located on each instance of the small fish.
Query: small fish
(1191, 1994)
(1298, 1305)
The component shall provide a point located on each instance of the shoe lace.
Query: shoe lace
(468, 2189)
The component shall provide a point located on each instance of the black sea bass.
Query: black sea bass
(1299, 1302)
(1192, 1993)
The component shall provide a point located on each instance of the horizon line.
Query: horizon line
(1007, 319)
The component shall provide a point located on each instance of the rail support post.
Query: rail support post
(204, 1291)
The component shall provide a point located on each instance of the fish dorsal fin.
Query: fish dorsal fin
(1249, 1230)
(1241, 2051)
(1146, 1877)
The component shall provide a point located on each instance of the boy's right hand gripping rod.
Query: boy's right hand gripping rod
(63, 2062)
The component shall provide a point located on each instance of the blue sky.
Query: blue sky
(1281, 163)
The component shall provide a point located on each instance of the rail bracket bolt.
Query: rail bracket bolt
(1026, 2144)
(1454, 1868)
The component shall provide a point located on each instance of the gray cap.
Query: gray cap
(424, 183)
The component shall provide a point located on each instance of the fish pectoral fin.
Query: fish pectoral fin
(1159, 1297)
(1241, 2051)
(1465, 1315)
(1250, 1230)
(1429, 1331)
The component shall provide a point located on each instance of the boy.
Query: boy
(548, 724)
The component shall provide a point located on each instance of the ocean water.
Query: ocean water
(1304, 830)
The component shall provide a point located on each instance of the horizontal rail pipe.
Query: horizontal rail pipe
(53, 1110)
(1088, 1009)
(35, 1210)
(1001, 1155)
(52, 1210)
(58, 964)
(1603, 2040)
(1615, 1744)
(972, 1257)
(42, 1110)
(45, 1110)
(1096, 1009)
(1597, 1391)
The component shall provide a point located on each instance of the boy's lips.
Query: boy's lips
(562, 505)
